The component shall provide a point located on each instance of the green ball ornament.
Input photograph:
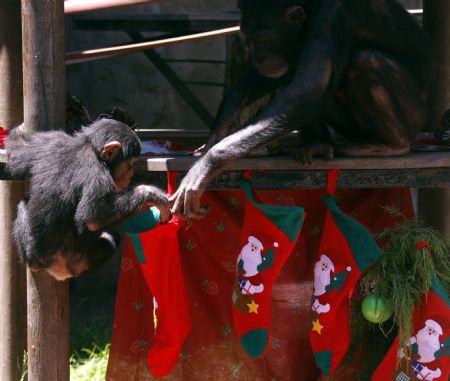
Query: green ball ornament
(376, 309)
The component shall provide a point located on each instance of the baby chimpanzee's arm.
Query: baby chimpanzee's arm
(98, 213)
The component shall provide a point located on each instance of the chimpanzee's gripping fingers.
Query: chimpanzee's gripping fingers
(176, 200)
(192, 207)
(165, 213)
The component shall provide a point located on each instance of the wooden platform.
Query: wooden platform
(418, 170)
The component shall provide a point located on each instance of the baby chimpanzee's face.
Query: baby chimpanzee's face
(62, 268)
(123, 173)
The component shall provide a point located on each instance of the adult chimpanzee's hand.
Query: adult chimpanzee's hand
(186, 200)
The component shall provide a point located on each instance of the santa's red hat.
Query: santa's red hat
(262, 240)
(435, 325)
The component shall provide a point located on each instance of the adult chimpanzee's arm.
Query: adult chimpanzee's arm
(100, 212)
(252, 87)
(318, 71)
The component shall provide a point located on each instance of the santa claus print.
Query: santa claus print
(322, 274)
(251, 261)
(426, 341)
(322, 278)
(326, 279)
(426, 345)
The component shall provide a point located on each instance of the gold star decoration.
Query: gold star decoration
(252, 307)
(317, 326)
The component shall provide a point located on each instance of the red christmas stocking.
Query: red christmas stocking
(268, 236)
(156, 247)
(346, 249)
(428, 357)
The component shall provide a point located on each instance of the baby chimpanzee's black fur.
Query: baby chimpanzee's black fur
(74, 190)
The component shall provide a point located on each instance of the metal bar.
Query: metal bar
(94, 54)
(189, 97)
(78, 6)
(44, 109)
(13, 323)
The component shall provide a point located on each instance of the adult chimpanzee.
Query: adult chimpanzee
(360, 67)
(78, 185)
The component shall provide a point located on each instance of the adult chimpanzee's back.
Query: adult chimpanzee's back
(359, 68)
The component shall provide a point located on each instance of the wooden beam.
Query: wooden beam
(416, 178)
(44, 109)
(79, 6)
(94, 54)
(13, 337)
(13, 311)
(420, 161)
(172, 77)
(434, 204)
(418, 170)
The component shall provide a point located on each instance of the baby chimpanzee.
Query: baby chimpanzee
(79, 184)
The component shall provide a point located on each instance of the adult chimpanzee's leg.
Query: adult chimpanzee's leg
(385, 106)
(315, 142)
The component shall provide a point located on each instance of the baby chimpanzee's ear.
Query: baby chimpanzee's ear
(110, 151)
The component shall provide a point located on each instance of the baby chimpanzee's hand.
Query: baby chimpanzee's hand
(158, 198)
(165, 213)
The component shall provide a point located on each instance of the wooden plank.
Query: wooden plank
(423, 160)
(44, 109)
(414, 178)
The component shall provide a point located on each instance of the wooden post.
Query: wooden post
(12, 275)
(13, 312)
(44, 109)
(434, 204)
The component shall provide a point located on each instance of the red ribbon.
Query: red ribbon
(423, 244)
(332, 180)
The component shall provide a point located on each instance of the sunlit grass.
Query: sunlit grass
(91, 366)
(89, 351)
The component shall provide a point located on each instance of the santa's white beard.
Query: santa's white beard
(428, 345)
(251, 260)
(321, 280)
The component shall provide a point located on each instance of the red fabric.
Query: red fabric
(429, 355)
(3, 135)
(346, 249)
(264, 250)
(208, 251)
(163, 276)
